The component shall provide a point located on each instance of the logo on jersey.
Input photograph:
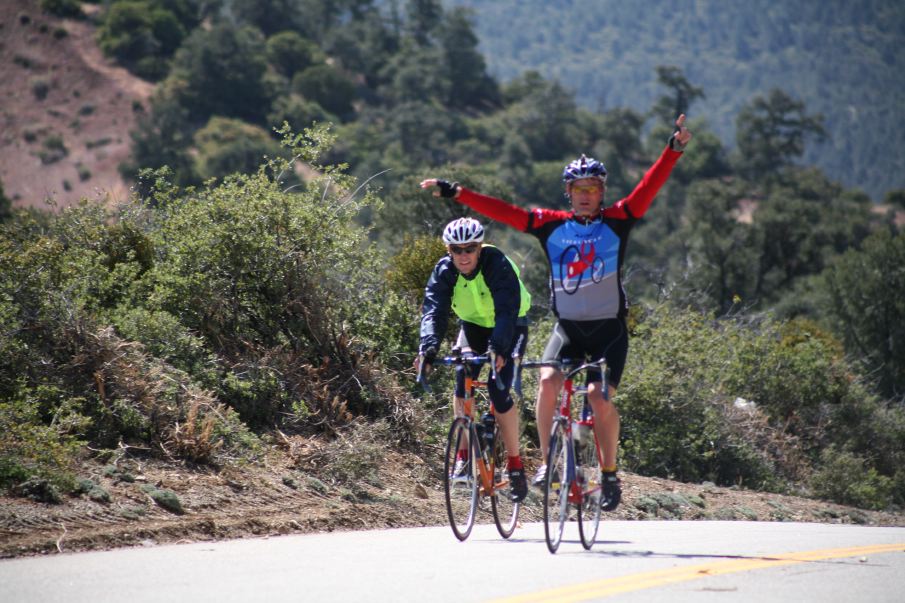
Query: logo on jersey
(578, 262)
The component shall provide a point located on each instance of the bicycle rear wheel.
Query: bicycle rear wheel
(556, 488)
(461, 484)
(505, 512)
(590, 478)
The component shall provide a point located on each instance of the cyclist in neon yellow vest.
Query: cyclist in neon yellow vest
(482, 286)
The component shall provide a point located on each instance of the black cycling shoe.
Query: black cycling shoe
(518, 485)
(612, 492)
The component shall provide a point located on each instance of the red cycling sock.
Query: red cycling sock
(514, 462)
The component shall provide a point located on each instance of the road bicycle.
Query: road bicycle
(475, 467)
(574, 476)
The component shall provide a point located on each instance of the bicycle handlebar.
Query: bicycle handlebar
(571, 365)
(458, 360)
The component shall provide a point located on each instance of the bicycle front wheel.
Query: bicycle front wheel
(556, 488)
(590, 478)
(461, 484)
(505, 512)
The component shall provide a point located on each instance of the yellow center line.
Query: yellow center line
(633, 582)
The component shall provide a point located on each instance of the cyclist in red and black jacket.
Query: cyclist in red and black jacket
(585, 248)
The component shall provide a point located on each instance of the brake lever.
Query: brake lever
(496, 376)
(422, 375)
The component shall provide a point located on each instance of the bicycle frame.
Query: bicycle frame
(566, 483)
(483, 462)
(585, 418)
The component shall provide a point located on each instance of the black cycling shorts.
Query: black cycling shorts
(591, 340)
(476, 339)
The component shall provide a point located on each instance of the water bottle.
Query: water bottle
(489, 422)
(479, 430)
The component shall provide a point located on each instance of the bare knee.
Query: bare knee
(550, 381)
(603, 407)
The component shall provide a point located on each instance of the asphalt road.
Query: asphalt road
(697, 561)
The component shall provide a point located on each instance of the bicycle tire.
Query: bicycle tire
(598, 268)
(569, 283)
(461, 491)
(591, 478)
(556, 487)
(505, 512)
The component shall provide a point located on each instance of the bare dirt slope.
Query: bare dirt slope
(283, 494)
(57, 87)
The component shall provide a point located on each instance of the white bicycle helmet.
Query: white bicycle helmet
(463, 231)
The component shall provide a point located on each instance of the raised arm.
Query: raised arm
(638, 201)
(493, 208)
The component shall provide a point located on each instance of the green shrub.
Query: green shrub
(23, 61)
(5, 205)
(63, 8)
(261, 277)
(752, 401)
(678, 418)
(297, 112)
(846, 478)
(83, 172)
(165, 498)
(289, 52)
(166, 338)
(100, 142)
(62, 279)
(227, 146)
(411, 266)
(142, 36)
(32, 447)
(354, 456)
(219, 71)
(328, 87)
(53, 149)
(40, 87)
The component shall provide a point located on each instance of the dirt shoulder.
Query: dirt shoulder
(276, 497)
(67, 110)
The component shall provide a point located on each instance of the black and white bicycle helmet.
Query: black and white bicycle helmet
(584, 167)
(463, 231)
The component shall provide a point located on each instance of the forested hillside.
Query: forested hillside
(266, 276)
(844, 60)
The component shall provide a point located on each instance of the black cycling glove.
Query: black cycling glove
(674, 143)
(447, 189)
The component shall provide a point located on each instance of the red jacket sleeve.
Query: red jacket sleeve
(495, 209)
(639, 200)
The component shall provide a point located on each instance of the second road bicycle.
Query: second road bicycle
(574, 477)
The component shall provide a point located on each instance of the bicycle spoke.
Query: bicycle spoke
(461, 484)
(505, 512)
(556, 489)
(591, 489)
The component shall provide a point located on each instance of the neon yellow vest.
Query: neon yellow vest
(473, 302)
